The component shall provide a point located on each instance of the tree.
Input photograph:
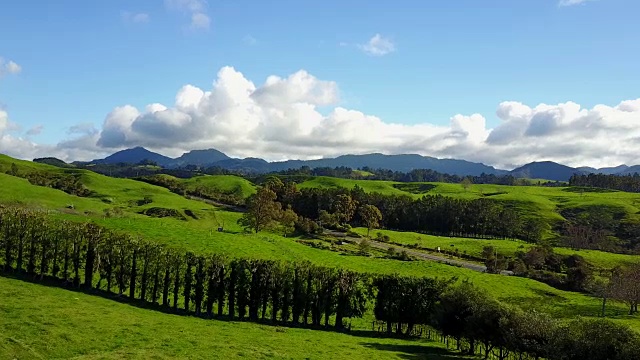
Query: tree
(600, 288)
(288, 219)
(344, 208)
(371, 216)
(262, 210)
(466, 183)
(14, 170)
(364, 245)
(625, 286)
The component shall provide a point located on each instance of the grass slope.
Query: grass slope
(538, 201)
(198, 235)
(227, 184)
(599, 259)
(39, 322)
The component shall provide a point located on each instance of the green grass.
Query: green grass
(599, 259)
(199, 235)
(535, 201)
(40, 322)
(227, 184)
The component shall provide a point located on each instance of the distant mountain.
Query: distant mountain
(212, 157)
(605, 170)
(404, 163)
(548, 170)
(200, 157)
(134, 156)
(630, 170)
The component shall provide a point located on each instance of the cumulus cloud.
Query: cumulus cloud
(195, 9)
(281, 119)
(9, 67)
(137, 18)
(378, 46)
(572, 2)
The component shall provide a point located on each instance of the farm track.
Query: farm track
(417, 254)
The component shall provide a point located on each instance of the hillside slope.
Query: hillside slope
(41, 322)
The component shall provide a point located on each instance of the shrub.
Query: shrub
(159, 212)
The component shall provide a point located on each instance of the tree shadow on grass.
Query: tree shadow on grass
(418, 351)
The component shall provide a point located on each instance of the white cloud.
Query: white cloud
(196, 9)
(138, 18)
(572, 2)
(9, 67)
(378, 46)
(279, 119)
(35, 130)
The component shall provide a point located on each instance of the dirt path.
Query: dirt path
(417, 254)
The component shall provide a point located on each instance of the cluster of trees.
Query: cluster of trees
(437, 214)
(566, 272)
(480, 324)
(416, 175)
(630, 183)
(623, 285)
(68, 181)
(600, 227)
(91, 257)
(233, 197)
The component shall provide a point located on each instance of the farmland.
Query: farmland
(116, 204)
(45, 323)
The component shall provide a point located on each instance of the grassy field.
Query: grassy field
(40, 322)
(599, 259)
(200, 235)
(536, 201)
(227, 184)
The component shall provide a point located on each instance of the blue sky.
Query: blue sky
(435, 59)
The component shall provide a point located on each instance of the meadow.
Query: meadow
(539, 201)
(43, 322)
(199, 233)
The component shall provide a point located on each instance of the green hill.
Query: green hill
(547, 203)
(119, 204)
(40, 322)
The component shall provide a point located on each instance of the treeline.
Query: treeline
(433, 214)
(69, 181)
(630, 183)
(234, 197)
(416, 175)
(92, 258)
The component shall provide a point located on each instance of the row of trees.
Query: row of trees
(437, 214)
(480, 324)
(416, 175)
(90, 257)
(630, 183)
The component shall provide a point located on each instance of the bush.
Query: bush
(159, 212)
(364, 246)
(307, 226)
(382, 238)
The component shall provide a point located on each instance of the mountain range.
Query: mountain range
(404, 163)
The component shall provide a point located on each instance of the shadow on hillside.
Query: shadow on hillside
(124, 299)
(416, 351)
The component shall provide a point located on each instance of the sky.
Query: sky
(501, 82)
